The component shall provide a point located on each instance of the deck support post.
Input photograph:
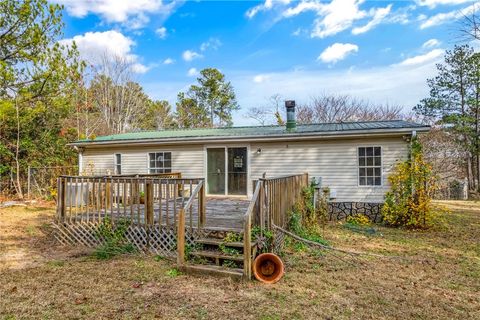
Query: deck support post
(181, 239)
(247, 248)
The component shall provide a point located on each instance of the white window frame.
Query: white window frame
(365, 166)
(116, 164)
(156, 168)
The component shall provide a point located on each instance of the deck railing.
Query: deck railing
(196, 194)
(270, 204)
(143, 200)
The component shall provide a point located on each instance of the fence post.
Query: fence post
(149, 202)
(28, 182)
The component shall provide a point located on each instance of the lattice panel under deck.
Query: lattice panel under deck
(155, 239)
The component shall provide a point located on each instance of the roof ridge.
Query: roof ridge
(259, 126)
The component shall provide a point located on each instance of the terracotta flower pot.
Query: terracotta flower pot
(268, 268)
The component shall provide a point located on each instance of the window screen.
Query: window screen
(118, 163)
(369, 166)
(160, 162)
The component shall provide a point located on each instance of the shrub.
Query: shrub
(115, 241)
(408, 203)
(359, 220)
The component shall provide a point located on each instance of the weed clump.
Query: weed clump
(114, 239)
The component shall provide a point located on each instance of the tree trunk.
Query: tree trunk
(470, 173)
(17, 152)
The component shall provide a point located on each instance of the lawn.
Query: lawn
(431, 274)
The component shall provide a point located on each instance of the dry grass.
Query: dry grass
(429, 275)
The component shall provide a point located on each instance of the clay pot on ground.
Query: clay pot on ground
(268, 268)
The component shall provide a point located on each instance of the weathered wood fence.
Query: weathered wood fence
(152, 205)
(270, 205)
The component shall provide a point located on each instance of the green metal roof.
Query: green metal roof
(260, 131)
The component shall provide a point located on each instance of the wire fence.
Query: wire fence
(36, 183)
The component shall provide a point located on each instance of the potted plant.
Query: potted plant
(142, 197)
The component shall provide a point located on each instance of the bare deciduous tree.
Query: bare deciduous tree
(327, 108)
(470, 25)
(272, 113)
(120, 101)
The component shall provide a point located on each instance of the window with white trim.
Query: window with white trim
(160, 162)
(370, 166)
(118, 163)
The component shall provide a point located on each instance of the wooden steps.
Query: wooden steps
(217, 255)
(218, 242)
(213, 270)
(214, 256)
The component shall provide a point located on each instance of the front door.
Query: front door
(227, 171)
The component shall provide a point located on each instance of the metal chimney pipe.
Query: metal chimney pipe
(291, 119)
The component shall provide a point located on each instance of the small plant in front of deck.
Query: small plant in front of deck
(173, 273)
(114, 239)
(263, 238)
(230, 237)
(408, 203)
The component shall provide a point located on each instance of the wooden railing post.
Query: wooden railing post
(149, 202)
(181, 238)
(202, 205)
(247, 250)
(61, 195)
(108, 194)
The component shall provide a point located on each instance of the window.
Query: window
(118, 163)
(160, 162)
(370, 166)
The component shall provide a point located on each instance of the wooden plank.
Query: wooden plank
(181, 238)
(149, 202)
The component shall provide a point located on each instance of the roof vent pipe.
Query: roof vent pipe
(291, 121)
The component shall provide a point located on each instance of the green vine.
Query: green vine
(114, 239)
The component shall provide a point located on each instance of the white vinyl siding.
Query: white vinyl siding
(334, 161)
(185, 159)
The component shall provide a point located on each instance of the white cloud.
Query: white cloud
(161, 32)
(168, 61)
(378, 16)
(441, 18)
(133, 13)
(431, 43)
(434, 3)
(339, 15)
(423, 58)
(94, 45)
(259, 78)
(189, 55)
(337, 52)
(267, 5)
(212, 43)
(192, 72)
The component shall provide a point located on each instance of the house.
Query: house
(352, 159)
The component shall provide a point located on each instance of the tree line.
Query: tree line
(49, 97)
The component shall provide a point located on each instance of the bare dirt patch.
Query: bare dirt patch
(431, 274)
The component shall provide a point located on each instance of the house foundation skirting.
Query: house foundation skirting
(342, 210)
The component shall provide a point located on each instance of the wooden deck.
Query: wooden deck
(222, 213)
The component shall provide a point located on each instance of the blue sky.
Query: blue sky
(378, 50)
